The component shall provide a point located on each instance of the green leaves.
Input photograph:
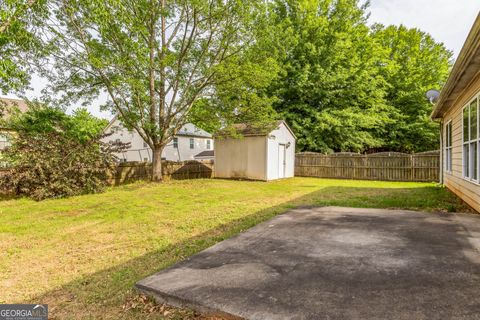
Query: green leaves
(19, 41)
(330, 91)
(412, 64)
(56, 155)
(41, 119)
(347, 87)
(84, 127)
(163, 62)
(341, 84)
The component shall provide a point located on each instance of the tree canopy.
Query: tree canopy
(20, 43)
(330, 91)
(39, 119)
(156, 59)
(345, 86)
(412, 63)
(341, 83)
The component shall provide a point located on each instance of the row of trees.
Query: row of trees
(347, 86)
(341, 84)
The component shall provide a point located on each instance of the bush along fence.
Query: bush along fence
(132, 171)
(387, 166)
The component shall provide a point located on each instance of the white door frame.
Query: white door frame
(282, 166)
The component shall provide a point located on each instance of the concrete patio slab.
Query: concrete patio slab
(335, 263)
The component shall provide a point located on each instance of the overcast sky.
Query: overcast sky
(448, 21)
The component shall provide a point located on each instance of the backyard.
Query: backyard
(82, 255)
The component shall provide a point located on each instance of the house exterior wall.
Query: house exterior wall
(139, 151)
(7, 105)
(241, 158)
(466, 189)
(280, 136)
(4, 140)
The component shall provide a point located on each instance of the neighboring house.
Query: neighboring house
(189, 141)
(458, 111)
(6, 107)
(256, 155)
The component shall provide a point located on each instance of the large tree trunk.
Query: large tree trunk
(157, 164)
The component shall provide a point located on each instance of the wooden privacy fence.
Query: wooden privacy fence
(132, 171)
(387, 166)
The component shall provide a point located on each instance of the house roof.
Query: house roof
(206, 153)
(247, 130)
(7, 105)
(192, 130)
(465, 70)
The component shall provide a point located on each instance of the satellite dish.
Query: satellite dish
(432, 95)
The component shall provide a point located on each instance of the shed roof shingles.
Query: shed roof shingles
(243, 129)
(206, 153)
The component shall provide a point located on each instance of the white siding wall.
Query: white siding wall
(240, 158)
(138, 151)
(4, 141)
(469, 191)
(277, 137)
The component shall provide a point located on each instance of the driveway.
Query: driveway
(335, 263)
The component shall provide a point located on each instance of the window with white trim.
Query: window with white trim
(192, 143)
(448, 146)
(175, 143)
(470, 141)
(209, 144)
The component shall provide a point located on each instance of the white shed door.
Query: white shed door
(281, 161)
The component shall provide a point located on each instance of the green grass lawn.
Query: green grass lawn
(82, 255)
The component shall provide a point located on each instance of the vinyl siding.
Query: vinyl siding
(243, 158)
(281, 135)
(469, 191)
(139, 152)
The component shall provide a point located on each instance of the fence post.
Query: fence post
(412, 165)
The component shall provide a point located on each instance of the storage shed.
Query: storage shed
(256, 154)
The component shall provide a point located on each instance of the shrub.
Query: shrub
(56, 155)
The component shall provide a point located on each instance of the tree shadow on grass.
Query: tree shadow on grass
(101, 295)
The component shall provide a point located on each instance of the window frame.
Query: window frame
(175, 142)
(467, 155)
(448, 146)
(5, 140)
(192, 143)
(209, 144)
